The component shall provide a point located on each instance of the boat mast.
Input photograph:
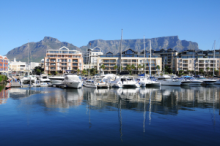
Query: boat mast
(213, 60)
(150, 58)
(28, 58)
(194, 62)
(144, 59)
(121, 49)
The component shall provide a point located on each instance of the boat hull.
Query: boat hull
(73, 84)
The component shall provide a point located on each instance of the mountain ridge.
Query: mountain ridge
(38, 49)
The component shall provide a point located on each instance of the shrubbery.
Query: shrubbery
(3, 78)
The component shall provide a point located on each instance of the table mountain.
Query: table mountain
(38, 49)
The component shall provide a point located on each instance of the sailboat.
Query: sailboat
(28, 79)
(146, 81)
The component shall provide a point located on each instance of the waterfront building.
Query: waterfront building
(18, 66)
(200, 61)
(128, 57)
(62, 61)
(168, 58)
(91, 56)
(3, 64)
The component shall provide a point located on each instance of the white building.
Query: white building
(91, 57)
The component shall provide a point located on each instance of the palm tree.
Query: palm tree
(102, 66)
(128, 68)
(84, 72)
(201, 71)
(133, 67)
(115, 68)
(207, 68)
(78, 71)
(158, 67)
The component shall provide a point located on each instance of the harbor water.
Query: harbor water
(138, 116)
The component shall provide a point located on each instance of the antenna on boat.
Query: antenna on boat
(121, 48)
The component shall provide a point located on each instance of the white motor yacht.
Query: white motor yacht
(116, 83)
(44, 79)
(187, 81)
(206, 81)
(72, 81)
(57, 80)
(169, 81)
(90, 83)
(129, 81)
(148, 82)
(101, 83)
(26, 80)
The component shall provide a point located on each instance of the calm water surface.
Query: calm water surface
(145, 116)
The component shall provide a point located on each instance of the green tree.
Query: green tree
(158, 67)
(93, 71)
(207, 70)
(216, 72)
(84, 72)
(201, 71)
(102, 66)
(133, 67)
(78, 71)
(128, 68)
(38, 70)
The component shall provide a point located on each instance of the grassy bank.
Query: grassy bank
(3, 78)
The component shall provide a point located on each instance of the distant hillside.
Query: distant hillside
(138, 45)
(38, 49)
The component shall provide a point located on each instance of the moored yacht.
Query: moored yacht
(44, 78)
(90, 83)
(128, 81)
(116, 83)
(187, 81)
(101, 83)
(29, 79)
(72, 81)
(56, 80)
(169, 81)
(206, 81)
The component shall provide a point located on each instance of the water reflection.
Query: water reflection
(3, 95)
(164, 100)
(141, 108)
(63, 98)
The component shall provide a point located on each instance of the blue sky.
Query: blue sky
(79, 21)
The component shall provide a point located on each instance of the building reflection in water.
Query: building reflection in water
(63, 98)
(4, 95)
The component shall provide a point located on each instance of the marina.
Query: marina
(175, 115)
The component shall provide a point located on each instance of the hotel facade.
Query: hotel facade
(4, 64)
(190, 60)
(62, 61)
(129, 57)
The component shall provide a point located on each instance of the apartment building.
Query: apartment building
(190, 60)
(3, 64)
(18, 66)
(62, 60)
(128, 57)
(90, 57)
(168, 58)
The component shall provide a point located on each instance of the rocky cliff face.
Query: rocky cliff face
(38, 49)
(138, 44)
